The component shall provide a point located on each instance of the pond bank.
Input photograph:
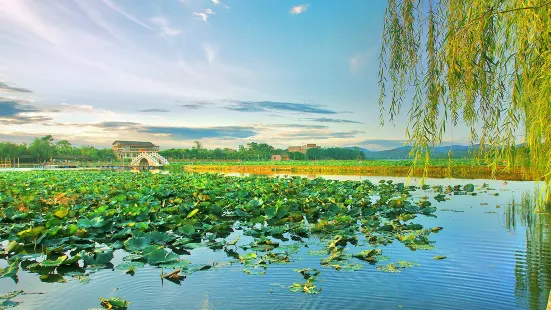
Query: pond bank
(459, 172)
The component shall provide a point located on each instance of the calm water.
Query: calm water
(498, 257)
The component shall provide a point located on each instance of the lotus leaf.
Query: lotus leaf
(114, 303)
(52, 278)
(61, 213)
(7, 302)
(137, 244)
(161, 256)
(10, 271)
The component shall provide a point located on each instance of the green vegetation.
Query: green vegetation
(485, 63)
(62, 225)
(42, 149)
(336, 163)
(259, 152)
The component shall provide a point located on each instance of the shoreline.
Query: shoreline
(459, 172)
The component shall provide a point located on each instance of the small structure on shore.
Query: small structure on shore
(148, 159)
(279, 157)
(303, 149)
(132, 149)
(143, 154)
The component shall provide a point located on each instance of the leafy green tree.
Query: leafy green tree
(64, 147)
(297, 156)
(198, 145)
(42, 148)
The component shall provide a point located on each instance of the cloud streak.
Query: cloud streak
(193, 106)
(302, 126)
(276, 106)
(332, 120)
(154, 110)
(180, 132)
(11, 107)
(317, 135)
(6, 87)
(118, 125)
(190, 133)
(14, 112)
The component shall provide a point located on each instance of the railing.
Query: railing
(151, 157)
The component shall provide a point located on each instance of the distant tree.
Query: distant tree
(198, 145)
(42, 148)
(297, 156)
(63, 147)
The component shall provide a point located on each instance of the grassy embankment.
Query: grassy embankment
(438, 168)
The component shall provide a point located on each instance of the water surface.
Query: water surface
(498, 257)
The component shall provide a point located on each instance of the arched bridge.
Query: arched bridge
(149, 159)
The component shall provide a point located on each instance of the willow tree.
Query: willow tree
(484, 63)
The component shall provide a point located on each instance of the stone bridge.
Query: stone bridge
(149, 159)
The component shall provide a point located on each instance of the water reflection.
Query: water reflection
(533, 269)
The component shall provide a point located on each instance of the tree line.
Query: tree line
(44, 148)
(258, 152)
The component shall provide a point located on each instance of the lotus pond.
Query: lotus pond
(81, 239)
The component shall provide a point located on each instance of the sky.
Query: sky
(225, 72)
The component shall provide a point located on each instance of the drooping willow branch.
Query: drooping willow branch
(503, 12)
(485, 65)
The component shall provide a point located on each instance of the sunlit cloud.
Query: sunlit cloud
(299, 9)
(204, 15)
(216, 2)
(73, 107)
(201, 15)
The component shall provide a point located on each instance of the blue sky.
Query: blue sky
(226, 72)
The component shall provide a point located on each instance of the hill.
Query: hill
(458, 151)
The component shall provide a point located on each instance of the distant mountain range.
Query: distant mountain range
(459, 151)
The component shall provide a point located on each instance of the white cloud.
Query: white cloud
(73, 107)
(216, 2)
(204, 15)
(164, 26)
(227, 7)
(299, 9)
(201, 15)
